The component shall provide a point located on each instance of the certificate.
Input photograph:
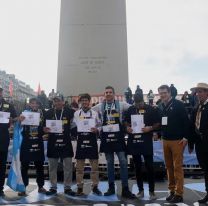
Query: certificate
(4, 117)
(85, 125)
(55, 126)
(31, 118)
(137, 123)
(111, 128)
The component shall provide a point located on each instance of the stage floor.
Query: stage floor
(193, 190)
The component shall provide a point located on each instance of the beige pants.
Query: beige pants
(94, 175)
(173, 154)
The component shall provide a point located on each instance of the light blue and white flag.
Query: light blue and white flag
(14, 180)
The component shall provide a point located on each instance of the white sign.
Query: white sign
(137, 123)
(164, 120)
(31, 118)
(4, 117)
(111, 128)
(55, 126)
(85, 125)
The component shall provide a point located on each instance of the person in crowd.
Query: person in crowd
(194, 101)
(140, 140)
(128, 95)
(32, 148)
(186, 99)
(87, 147)
(42, 98)
(150, 97)
(51, 95)
(173, 91)
(175, 131)
(112, 140)
(199, 132)
(138, 90)
(59, 144)
(4, 137)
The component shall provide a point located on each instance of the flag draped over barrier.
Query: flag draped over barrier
(14, 180)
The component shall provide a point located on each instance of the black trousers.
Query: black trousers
(148, 159)
(202, 157)
(3, 161)
(39, 173)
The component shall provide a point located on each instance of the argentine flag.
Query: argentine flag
(14, 180)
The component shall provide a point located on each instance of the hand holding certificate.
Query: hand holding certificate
(4, 117)
(31, 118)
(85, 125)
(55, 126)
(111, 128)
(137, 123)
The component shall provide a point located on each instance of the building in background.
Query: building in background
(92, 47)
(15, 89)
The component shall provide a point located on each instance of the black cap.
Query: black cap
(59, 97)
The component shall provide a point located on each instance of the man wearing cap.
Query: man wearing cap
(112, 140)
(199, 132)
(87, 122)
(8, 109)
(174, 132)
(32, 148)
(59, 144)
(141, 120)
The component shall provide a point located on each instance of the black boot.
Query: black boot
(111, 190)
(96, 191)
(170, 196)
(204, 200)
(127, 194)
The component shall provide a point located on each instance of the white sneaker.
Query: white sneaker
(152, 196)
(140, 194)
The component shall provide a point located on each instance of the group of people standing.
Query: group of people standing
(111, 121)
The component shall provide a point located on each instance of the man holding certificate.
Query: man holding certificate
(7, 114)
(141, 119)
(87, 123)
(58, 121)
(32, 148)
(112, 140)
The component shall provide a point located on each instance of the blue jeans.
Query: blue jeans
(123, 167)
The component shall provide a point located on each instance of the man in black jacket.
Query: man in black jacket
(200, 132)
(4, 137)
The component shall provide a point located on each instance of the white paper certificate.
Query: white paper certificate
(137, 123)
(111, 128)
(4, 117)
(85, 125)
(55, 126)
(31, 118)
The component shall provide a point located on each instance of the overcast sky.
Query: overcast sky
(167, 42)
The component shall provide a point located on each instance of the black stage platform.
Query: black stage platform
(194, 190)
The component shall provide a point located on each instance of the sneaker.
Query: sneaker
(170, 196)
(96, 191)
(127, 194)
(140, 194)
(152, 196)
(176, 199)
(69, 192)
(22, 194)
(111, 191)
(80, 192)
(51, 192)
(204, 200)
(2, 193)
(42, 190)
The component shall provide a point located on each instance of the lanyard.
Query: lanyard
(109, 113)
(61, 114)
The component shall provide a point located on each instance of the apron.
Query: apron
(112, 141)
(86, 144)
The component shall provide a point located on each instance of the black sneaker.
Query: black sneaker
(2, 193)
(79, 192)
(96, 191)
(51, 192)
(204, 200)
(127, 194)
(176, 199)
(170, 196)
(69, 192)
(111, 191)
